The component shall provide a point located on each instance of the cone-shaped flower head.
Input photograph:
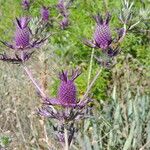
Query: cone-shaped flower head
(102, 34)
(67, 89)
(22, 33)
(45, 13)
(67, 93)
(25, 4)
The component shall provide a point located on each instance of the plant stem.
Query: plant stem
(105, 2)
(92, 83)
(90, 69)
(34, 82)
(124, 33)
(66, 139)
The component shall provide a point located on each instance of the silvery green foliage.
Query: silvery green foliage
(39, 29)
(121, 125)
(145, 13)
(127, 14)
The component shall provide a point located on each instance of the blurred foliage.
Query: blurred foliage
(4, 141)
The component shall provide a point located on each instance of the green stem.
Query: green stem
(90, 69)
(105, 2)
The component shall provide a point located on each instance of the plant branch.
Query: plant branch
(90, 69)
(91, 85)
(28, 72)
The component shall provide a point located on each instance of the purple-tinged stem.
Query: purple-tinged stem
(124, 34)
(28, 72)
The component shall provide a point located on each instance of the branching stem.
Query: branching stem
(90, 69)
(28, 72)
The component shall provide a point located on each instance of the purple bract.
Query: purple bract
(22, 33)
(62, 8)
(64, 23)
(45, 13)
(26, 4)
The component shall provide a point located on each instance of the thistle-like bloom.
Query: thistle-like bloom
(22, 41)
(67, 93)
(66, 97)
(102, 35)
(22, 34)
(45, 13)
(26, 4)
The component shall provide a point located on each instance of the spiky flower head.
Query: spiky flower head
(26, 4)
(67, 89)
(22, 33)
(22, 42)
(64, 23)
(45, 13)
(102, 38)
(67, 92)
(102, 34)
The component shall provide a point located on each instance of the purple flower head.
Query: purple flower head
(22, 33)
(67, 93)
(22, 42)
(62, 8)
(26, 4)
(64, 23)
(102, 35)
(67, 89)
(45, 13)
